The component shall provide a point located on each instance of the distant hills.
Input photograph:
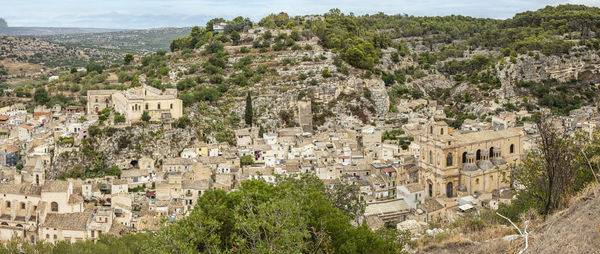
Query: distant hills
(120, 41)
(45, 31)
(139, 42)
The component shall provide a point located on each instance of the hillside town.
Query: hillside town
(441, 172)
(318, 133)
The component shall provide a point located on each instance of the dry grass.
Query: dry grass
(465, 240)
(16, 67)
(573, 230)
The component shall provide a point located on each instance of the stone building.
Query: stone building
(305, 115)
(133, 102)
(455, 164)
(25, 207)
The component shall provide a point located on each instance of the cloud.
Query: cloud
(177, 13)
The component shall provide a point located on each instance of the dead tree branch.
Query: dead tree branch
(523, 233)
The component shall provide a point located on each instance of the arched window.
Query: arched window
(19, 225)
(449, 189)
(476, 181)
(491, 152)
(449, 160)
(478, 155)
(54, 206)
(430, 188)
(159, 105)
(96, 100)
(512, 148)
(464, 157)
(4, 224)
(442, 131)
(146, 106)
(430, 157)
(7, 204)
(171, 105)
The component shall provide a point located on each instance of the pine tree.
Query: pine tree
(248, 113)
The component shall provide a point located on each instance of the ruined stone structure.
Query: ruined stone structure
(132, 103)
(305, 115)
(456, 164)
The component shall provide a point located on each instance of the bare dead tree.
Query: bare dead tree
(523, 233)
(593, 173)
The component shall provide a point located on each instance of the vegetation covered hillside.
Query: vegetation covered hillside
(354, 71)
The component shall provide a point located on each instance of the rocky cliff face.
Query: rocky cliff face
(119, 146)
(575, 66)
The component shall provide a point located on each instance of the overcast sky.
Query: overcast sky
(178, 13)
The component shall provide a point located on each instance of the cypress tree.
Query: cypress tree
(248, 113)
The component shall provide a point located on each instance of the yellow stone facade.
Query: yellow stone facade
(133, 102)
(457, 164)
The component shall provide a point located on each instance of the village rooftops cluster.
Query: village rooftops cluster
(440, 171)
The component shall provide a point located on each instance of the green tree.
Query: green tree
(182, 122)
(235, 37)
(261, 132)
(118, 118)
(325, 72)
(113, 171)
(346, 198)
(145, 116)
(214, 47)
(246, 160)
(93, 66)
(295, 34)
(128, 58)
(249, 113)
(41, 96)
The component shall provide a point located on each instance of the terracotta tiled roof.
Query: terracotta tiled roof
(70, 221)
(389, 170)
(21, 189)
(37, 114)
(431, 205)
(11, 148)
(25, 126)
(55, 186)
